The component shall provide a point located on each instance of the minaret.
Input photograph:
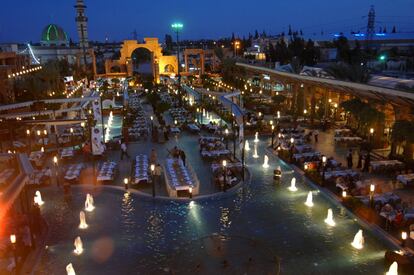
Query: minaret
(82, 23)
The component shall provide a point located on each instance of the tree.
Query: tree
(403, 133)
(256, 34)
(310, 55)
(347, 72)
(344, 52)
(394, 29)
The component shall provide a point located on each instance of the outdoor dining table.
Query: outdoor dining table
(306, 155)
(406, 178)
(141, 169)
(379, 164)
(178, 175)
(217, 166)
(175, 130)
(340, 173)
(347, 139)
(107, 171)
(73, 171)
(215, 153)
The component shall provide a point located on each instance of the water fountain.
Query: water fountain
(292, 186)
(82, 218)
(70, 270)
(358, 241)
(247, 146)
(329, 218)
(89, 203)
(309, 199)
(204, 112)
(256, 137)
(78, 246)
(393, 269)
(266, 162)
(255, 155)
(38, 198)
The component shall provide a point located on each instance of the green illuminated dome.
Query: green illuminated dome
(53, 35)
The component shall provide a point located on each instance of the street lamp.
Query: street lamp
(371, 194)
(177, 27)
(55, 162)
(126, 183)
(226, 133)
(152, 176)
(403, 238)
(29, 139)
(152, 124)
(225, 174)
(13, 243)
(323, 168)
(273, 134)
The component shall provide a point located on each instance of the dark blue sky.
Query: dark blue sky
(23, 20)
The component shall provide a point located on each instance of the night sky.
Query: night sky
(23, 20)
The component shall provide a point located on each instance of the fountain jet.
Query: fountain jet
(292, 186)
(89, 203)
(358, 241)
(393, 269)
(255, 155)
(309, 200)
(329, 218)
(70, 270)
(247, 146)
(38, 198)
(78, 246)
(82, 218)
(256, 137)
(266, 162)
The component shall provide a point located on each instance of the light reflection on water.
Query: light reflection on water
(146, 234)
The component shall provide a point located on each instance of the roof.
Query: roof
(54, 34)
(357, 89)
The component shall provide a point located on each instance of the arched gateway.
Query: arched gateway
(158, 61)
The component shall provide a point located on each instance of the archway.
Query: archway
(142, 61)
(169, 68)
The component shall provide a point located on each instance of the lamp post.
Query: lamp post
(403, 238)
(44, 135)
(371, 136)
(226, 136)
(177, 27)
(152, 124)
(224, 175)
(56, 164)
(126, 183)
(323, 169)
(152, 178)
(371, 194)
(71, 136)
(13, 243)
(29, 141)
(273, 134)
(190, 191)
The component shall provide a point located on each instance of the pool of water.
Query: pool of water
(129, 235)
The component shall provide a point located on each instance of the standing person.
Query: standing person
(157, 174)
(153, 156)
(359, 165)
(367, 162)
(124, 150)
(316, 133)
(349, 159)
(183, 156)
(165, 134)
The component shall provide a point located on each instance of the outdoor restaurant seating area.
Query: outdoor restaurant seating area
(139, 126)
(107, 172)
(73, 172)
(180, 116)
(180, 179)
(141, 168)
(213, 148)
(346, 137)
